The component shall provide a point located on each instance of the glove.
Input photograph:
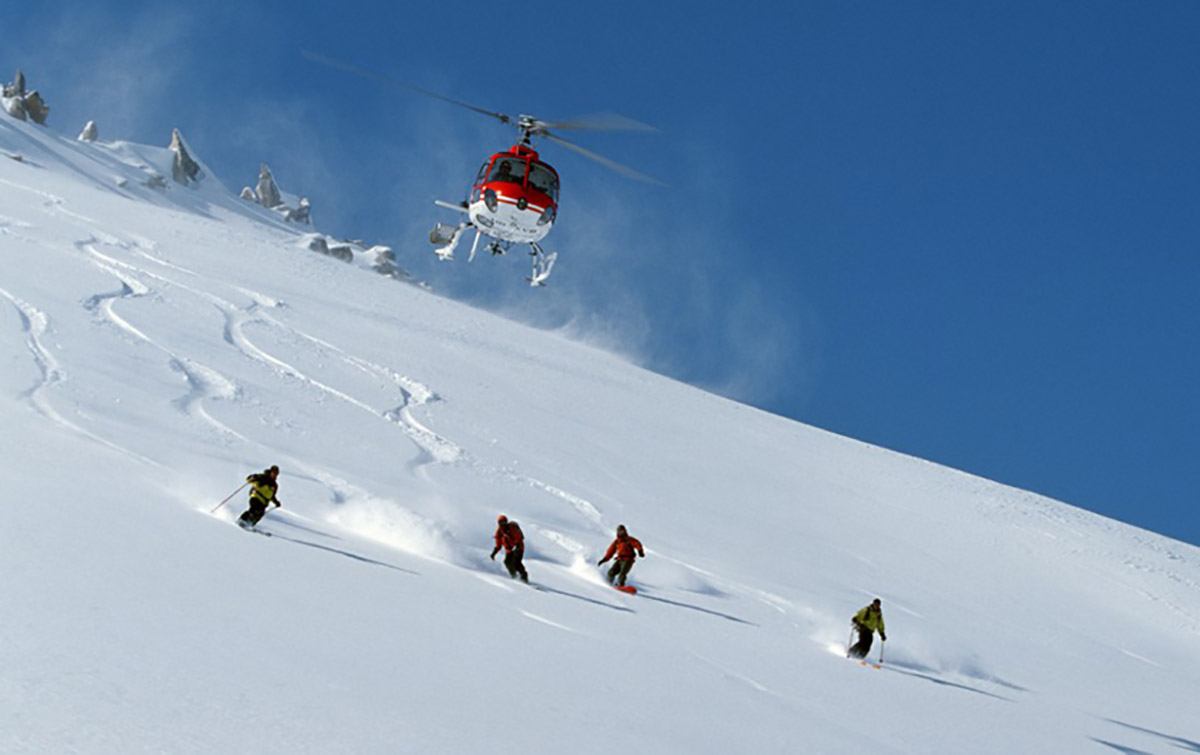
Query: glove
(883, 636)
(641, 554)
(278, 503)
(601, 562)
(494, 552)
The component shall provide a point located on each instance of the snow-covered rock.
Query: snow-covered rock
(266, 191)
(184, 169)
(21, 103)
(268, 194)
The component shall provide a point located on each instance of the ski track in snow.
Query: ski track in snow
(9, 227)
(433, 447)
(35, 323)
(204, 383)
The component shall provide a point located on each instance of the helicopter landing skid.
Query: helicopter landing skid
(542, 265)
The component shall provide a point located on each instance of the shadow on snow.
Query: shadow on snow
(1180, 742)
(690, 607)
(898, 668)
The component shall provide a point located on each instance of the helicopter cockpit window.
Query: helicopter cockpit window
(507, 169)
(544, 180)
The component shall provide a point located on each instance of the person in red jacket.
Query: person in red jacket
(623, 548)
(510, 537)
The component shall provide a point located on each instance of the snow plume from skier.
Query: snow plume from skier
(388, 522)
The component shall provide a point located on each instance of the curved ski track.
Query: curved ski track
(35, 323)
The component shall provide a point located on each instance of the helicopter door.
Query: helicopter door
(479, 179)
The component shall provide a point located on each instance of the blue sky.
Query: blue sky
(964, 231)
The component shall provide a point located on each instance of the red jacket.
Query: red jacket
(623, 548)
(509, 536)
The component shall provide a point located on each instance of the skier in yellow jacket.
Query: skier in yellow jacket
(262, 492)
(866, 622)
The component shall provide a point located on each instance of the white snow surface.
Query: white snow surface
(160, 344)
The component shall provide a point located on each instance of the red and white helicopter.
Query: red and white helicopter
(514, 199)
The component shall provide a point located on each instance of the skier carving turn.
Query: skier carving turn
(263, 487)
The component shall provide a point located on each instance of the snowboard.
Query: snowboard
(629, 589)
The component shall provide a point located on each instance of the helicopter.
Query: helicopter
(514, 197)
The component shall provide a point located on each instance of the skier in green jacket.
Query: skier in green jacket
(262, 492)
(866, 622)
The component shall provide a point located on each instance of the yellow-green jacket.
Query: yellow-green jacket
(263, 487)
(871, 620)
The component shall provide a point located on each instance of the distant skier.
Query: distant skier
(623, 548)
(510, 537)
(263, 487)
(866, 622)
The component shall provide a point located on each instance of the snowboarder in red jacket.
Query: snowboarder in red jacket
(510, 537)
(623, 548)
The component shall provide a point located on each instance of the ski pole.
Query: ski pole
(881, 644)
(231, 495)
(849, 640)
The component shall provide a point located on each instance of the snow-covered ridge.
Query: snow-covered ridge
(160, 344)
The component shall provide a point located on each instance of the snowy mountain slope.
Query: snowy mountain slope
(160, 344)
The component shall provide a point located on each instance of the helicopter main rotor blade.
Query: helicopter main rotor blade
(600, 122)
(624, 170)
(369, 74)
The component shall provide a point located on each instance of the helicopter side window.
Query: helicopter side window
(508, 169)
(544, 180)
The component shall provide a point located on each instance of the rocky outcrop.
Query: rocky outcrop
(184, 170)
(320, 245)
(385, 262)
(267, 193)
(301, 213)
(24, 104)
(379, 258)
(267, 190)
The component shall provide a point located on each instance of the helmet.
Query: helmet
(274, 469)
(621, 530)
(502, 519)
